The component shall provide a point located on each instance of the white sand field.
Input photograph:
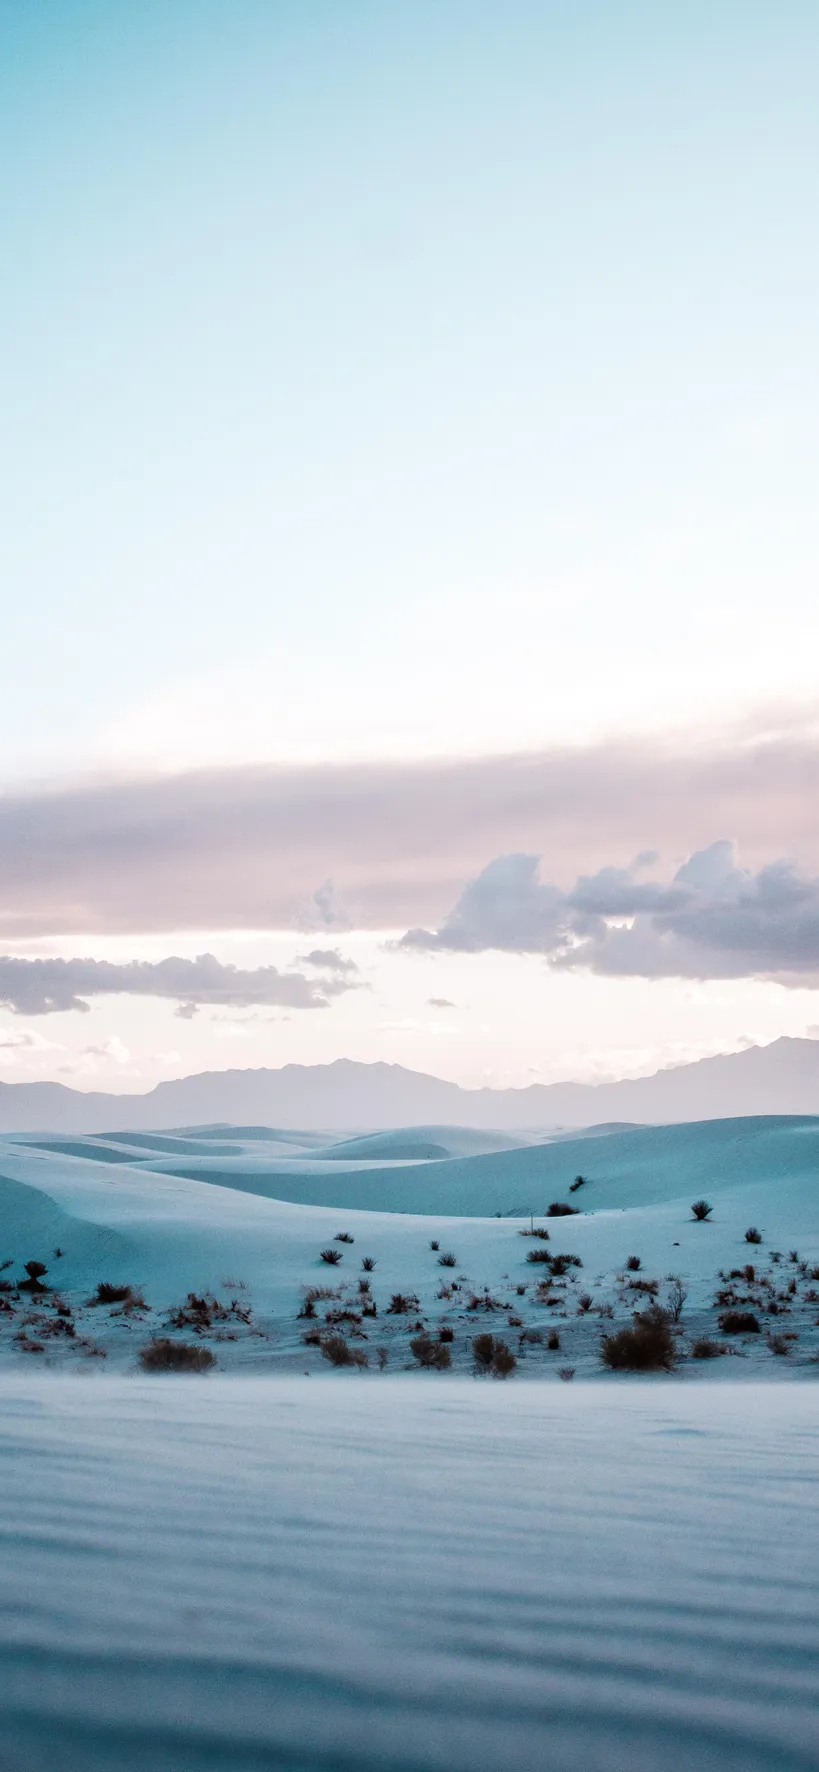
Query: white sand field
(230, 1575)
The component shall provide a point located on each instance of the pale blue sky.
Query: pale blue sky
(393, 380)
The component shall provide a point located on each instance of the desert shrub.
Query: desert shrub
(536, 1231)
(504, 1362)
(634, 1264)
(199, 1312)
(521, 1291)
(706, 1349)
(579, 1181)
(493, 1356)
(447, 1259)
(793, 1254)
(749, 1273)
(739, 1323)
(433, 1355)
(108, 1294)
(539, 1257)
(483, 1349)
(779, 1344)
(561, 1209)
(553, 1342)
(584, 1303)
(531, 1336)
(401, 1304)
(445, 1333)
(648, 1346)
(562, 1263)
(34, 1283)
(677, 1295)
(162, 1355)
(331, 1256)
(312, 1338)
(435, 1244)
(649, 1288)
(605, 1309)
(344, 1237)
(308, 1308)
(343, 1314)
(701, 1211)
(483, 1301)
(339, 1353)
(364, 1288)
(566, 1373)
(752, 1235)
(368, 1264)
(382, 1355)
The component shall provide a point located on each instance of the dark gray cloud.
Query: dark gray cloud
(244, 847)
(44, 987)
(713, 919)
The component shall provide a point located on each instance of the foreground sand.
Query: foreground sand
(231, 1574)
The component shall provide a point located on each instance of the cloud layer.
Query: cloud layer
(250, 847)
(713, 919)
(46, 987)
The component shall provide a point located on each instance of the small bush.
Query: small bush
(566, 1373)
(579, 1181)
(34, 1283)
(401, 1304)
(539, 1257)
(493, 1356)
(331, 1256)
(584, 1303)
(706, 1349)
(739, 1323)
(504, 1362)
(447, 1259)
(433, 1355)
(344, 1237)
(779, 1344)
(701, 1211)
(562, 1263)
(108, 1294)
(677, 1295)
(308, 1308)
(561, 1209)
(553, 1342)
(648, 1346)
(434, 1245)
(368, 1264)
(162, 1355)
(339, 1353)
(445, 1333)
(634, 1264)
(536, 1231)
(752, 1235)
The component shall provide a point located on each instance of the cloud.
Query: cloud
(242, 848)
(713, 919)
(440, 1003)
(45, 987)
(330, 960)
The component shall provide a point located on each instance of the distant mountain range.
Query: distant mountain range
(782, 1078)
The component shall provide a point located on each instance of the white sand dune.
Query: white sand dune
(238, 1576)
(168, 1234)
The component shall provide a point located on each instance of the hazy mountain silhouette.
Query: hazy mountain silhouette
(782, 1078)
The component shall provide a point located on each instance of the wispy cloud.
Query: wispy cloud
(712, 919)
(46, 987)
(243, 847)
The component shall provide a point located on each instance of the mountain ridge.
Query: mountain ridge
(780, 1078)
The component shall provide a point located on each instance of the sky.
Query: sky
(409, 544)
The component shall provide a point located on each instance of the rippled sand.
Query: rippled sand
(272, 1573)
